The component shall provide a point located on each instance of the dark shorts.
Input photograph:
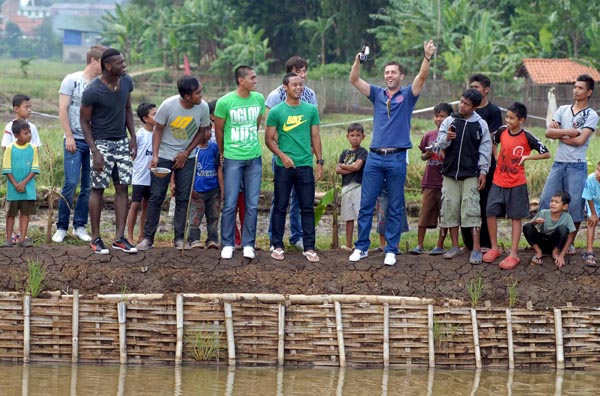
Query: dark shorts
(510, 202)
(140, 192)
(25, 207)
(117, 163)
(430, 207)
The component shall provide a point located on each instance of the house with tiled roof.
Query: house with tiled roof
(554, 71)
(542, 75)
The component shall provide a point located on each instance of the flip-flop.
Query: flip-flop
(278, 254)
(589, 259)
(536, 260)
(311, 256)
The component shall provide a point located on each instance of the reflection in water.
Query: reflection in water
(84, 380)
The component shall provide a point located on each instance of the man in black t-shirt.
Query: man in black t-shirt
(105, 115)
(493, 116)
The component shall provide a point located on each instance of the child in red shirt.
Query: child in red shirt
(508, 195)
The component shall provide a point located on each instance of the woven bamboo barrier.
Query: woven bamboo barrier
(295, 330)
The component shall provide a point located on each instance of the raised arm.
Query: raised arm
(360, 84)
(419, 81)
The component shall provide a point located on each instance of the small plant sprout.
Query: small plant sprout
(512, 292)
(475, 289)
(36, 275)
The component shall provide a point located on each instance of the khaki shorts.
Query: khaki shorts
(26, 207)
(350, 202)
(430, 207)
(460, 203)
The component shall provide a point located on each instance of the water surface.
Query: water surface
(88, 380)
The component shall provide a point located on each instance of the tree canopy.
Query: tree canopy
(491, 36)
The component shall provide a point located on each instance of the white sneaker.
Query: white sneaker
(357, 255)
(299, 245)
(81, 233)
(227, 252)
(60, 235)
(144, 245)
(390, 259)
(249, 252)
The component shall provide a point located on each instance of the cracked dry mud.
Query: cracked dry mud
(165, 270)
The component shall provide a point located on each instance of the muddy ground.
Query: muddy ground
(166, 270)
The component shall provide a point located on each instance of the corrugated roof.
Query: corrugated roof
(554, 71)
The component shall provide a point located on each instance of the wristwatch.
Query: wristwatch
(320, 162)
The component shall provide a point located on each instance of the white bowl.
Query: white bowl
(160, 172)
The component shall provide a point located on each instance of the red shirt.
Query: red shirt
(512, 148)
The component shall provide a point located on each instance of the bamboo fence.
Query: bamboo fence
(294, 330)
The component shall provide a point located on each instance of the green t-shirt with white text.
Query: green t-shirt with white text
(240, 133)
(293, 131)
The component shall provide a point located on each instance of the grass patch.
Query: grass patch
(475, 289)
(205, 345)
(36, 276)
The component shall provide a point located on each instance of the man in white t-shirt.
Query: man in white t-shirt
(76, 151)
(573, 126)
(179, 122)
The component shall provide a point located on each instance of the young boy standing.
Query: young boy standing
(591, 194)
(207, 194)
(508, 195)
(22, 108)
(465, 138)
(140, 179)
(431, 183)
(551, 230)
(20, 165)
(350, 166)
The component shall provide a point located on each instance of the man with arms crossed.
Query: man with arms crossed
(573, 126)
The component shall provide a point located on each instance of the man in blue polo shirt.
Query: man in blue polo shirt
(392, 112)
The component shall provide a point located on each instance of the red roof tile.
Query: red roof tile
(554, 71)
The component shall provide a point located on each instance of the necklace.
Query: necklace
(111, 87)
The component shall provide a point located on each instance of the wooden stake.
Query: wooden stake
(476, 338)
(75, 328)
(26, 328)
(430, 336)
(281, 336)
(509, 339)
(386, 335)
(179, 319)
(122, 318)
(560, 353)
(229, 329)
(340, 333)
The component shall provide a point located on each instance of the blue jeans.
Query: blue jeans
(302, 180)
(569, 177)
(392, 169)
(234, 171)
(158, 191)
(295, 222)
(77, 169)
